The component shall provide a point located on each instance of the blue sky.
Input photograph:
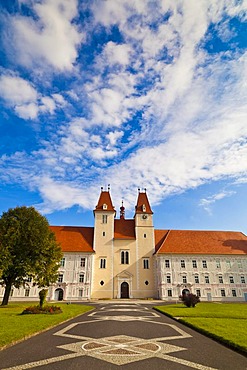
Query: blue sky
(135, 94)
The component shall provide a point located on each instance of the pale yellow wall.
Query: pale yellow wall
(145, 249)
(103, 246)
(115, 273)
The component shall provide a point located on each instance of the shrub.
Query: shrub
(39, 310)
(189, 300)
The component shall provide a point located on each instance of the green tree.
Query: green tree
(28, 248)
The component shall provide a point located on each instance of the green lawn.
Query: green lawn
(226, 322)
(15, 326)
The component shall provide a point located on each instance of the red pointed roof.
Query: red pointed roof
(142, 205)
(73, 238)
(124, 229)
(200, 242)
(104, 202)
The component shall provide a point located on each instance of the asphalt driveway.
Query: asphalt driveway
(121, 334)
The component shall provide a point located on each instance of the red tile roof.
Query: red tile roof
(143, 200)
(124, 229)
(104, 198)
(200, 242)
(73, 238)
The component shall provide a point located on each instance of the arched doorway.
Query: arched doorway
(124, 290)
(58, 294)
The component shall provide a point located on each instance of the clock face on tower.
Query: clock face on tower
(144, 217)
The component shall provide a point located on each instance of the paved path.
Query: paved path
(120, 334)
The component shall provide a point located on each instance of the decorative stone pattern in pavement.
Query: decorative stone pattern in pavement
(120, 349)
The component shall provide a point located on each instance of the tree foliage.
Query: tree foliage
(28, 248)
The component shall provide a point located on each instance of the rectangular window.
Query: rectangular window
(81, 278)
(204, 264)
(196, 279)
(169, 292)
(144, 235)
(27, 292)
(60, 278)
(104, 219)
(194, 264)
(221, 279)
(242, 279)
(198, 292)
(182, 264)
(146, 263)
(80, 292)
(231, 279)
(62, 262)
(83, 262)
(206, 279)
(234, 293)
(223, 293)
(103, 263)
(167, 263)
(184, 279)
(124, 257)
(103, 233)
(228, 264)
(168, 279)
(218, 264)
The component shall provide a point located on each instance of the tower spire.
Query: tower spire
(122, 211)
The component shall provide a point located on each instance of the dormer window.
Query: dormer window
(104, 206)
(143, 208)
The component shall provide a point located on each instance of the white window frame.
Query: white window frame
(81, 277)
(146, 263)
(83, 262)
(167, 264)
(125, 260)
(60, 278)
(102, 263)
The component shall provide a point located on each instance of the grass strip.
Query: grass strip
(15, 327)
(224, 322)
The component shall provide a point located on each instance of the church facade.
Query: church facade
(128, 258)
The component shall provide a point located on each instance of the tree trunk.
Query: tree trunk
(7, 291)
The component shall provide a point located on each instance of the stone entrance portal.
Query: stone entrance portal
(124, 290)
(58, 294)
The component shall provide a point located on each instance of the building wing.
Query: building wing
(200, 242)
(74, 239)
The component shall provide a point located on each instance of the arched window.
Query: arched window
(124, 257)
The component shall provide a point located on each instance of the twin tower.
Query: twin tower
(123, 263)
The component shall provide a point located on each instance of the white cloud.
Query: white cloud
(207, 203)
(27, 111)
(113, 137)
(51, 38)
(59, 99)
(16, 90)
(27, 103)
(47, 105)
(59, 195)
(115, 53)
